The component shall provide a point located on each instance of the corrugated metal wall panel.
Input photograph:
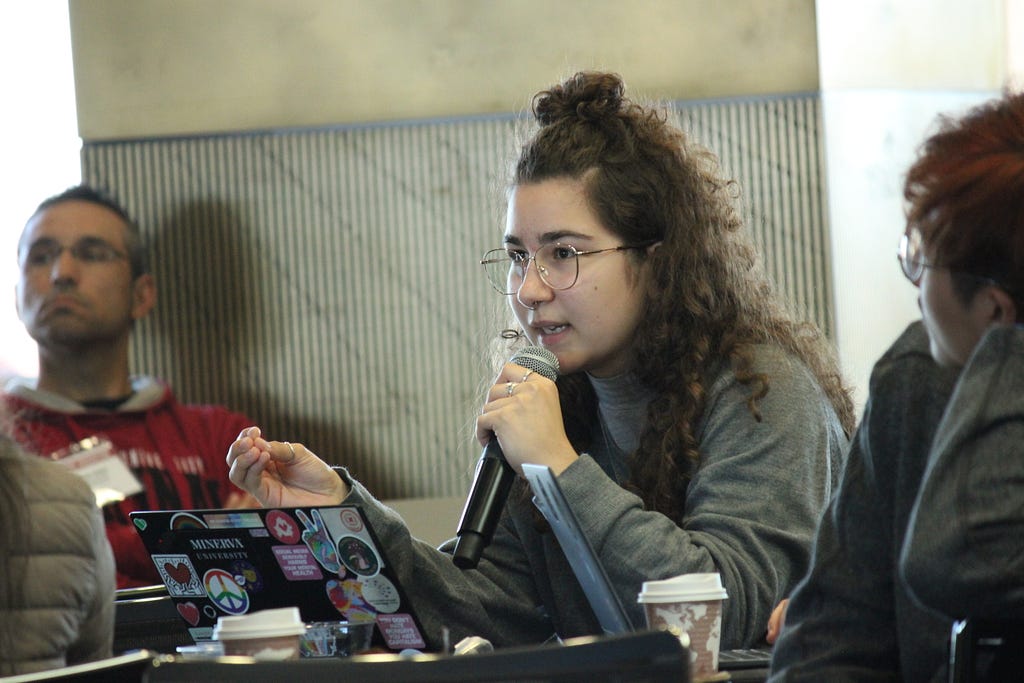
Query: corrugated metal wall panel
(325, 281)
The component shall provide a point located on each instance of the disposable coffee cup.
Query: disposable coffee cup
(270, 634)
(690, 607)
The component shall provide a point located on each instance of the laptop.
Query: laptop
(145, 618)
(326, 561)
(552, 503)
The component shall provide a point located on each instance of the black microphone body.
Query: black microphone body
(493, 477)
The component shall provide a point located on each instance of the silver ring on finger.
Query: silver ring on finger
(291, 448)
(509, 388)
(526, 376)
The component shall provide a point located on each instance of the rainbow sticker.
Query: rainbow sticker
(225, 593)
(186, 520)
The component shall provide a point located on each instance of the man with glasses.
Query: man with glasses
(927, 524)
(83, 282)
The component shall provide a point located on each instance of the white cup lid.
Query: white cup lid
(685, 587)
(268, 623)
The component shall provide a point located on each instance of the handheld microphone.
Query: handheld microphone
(494, 476)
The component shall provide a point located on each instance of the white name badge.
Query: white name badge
(93, 459)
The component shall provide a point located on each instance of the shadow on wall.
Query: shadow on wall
(206, 336)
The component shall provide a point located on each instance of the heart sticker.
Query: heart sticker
(179, 572)
(140, 523)
(190, 612)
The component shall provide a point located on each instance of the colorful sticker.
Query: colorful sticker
(358, 556)
(381, 594)
(233, 520)
(225, 593)
(352, 521)
(319, 541)
(282, 527)
(297, 563)
(399, 631)
(247, 575)
(180, 577)
(347, 598)
(186, 520)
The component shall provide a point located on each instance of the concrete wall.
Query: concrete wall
(156, 67)
(887, 67)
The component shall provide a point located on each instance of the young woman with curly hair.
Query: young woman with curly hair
(695, 426)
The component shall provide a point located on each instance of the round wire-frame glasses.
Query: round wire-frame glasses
(913, 264)
(557, 264)
(909, 253)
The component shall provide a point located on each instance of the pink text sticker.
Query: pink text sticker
(297, 563)
(399, 631)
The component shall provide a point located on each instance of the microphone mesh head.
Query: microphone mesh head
(538, 359)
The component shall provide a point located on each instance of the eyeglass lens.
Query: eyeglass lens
(910, 256)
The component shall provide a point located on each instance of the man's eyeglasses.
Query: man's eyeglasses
(45, 252)
(557, 264)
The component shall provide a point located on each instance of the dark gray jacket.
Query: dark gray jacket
(964, 551)
(851, 619)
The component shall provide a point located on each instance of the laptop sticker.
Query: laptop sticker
(347, 597)
(186, 520)
(318, 540)
(297, 563)
(247, 575)
(381, 594)
(399, 631)
(283, 527)
(350, 520)
(189, 612)
(357, 556)
(233, 519)
(180, 577)
(225, 593)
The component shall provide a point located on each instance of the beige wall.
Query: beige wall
(158, 67)
(887, 68)
(912, 44)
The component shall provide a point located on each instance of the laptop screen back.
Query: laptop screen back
(326, 561)
(551, 501)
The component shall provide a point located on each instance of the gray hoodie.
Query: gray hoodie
(851, 619)
(751, 510)
(964, 551)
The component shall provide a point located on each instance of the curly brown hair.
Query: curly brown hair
(707, 298)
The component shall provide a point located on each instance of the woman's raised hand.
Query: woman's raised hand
(282, 474)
